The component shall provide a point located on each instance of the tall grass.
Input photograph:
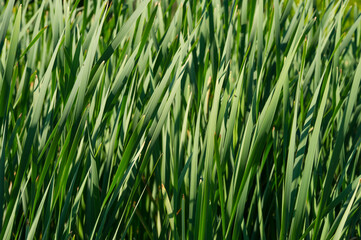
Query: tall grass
(180, 119)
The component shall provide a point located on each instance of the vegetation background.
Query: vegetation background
(180, 119)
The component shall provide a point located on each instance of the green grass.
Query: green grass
(180, 119)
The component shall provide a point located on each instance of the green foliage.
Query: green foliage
(180, 119)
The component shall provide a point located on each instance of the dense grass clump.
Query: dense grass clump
(180, 119)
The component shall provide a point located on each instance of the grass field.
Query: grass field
(180, 119)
